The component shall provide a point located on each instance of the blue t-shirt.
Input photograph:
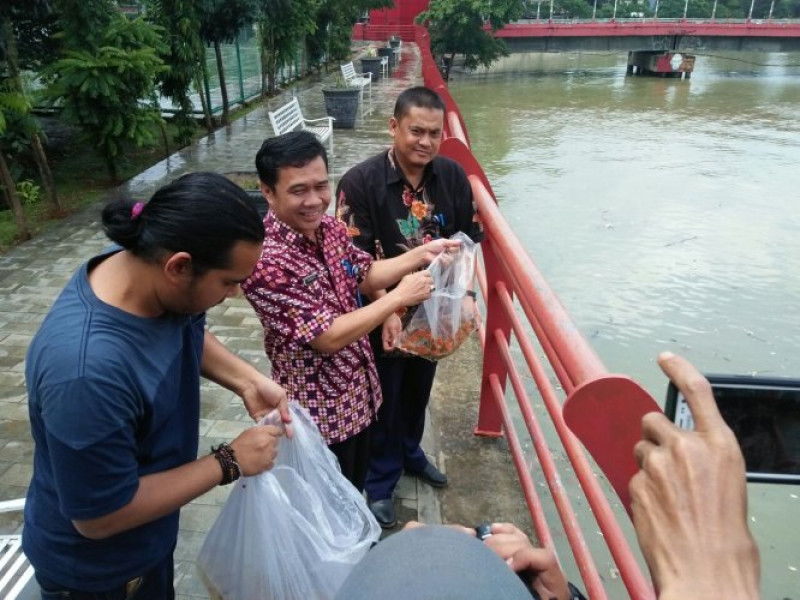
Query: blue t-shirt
(112, 397)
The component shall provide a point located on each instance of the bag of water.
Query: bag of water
(293, 532)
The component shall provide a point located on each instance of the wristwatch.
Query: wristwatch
(472, 294)
(574, 593)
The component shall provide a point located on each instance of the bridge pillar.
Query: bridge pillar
(660, 63)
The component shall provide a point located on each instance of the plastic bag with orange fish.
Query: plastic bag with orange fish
(443, 322)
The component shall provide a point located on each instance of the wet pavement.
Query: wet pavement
(32, 274)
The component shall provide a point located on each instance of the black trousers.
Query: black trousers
(406, 385)
(156, 584)
(353, 455)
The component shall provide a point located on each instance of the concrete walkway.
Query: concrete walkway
(483, 484)
(32, 274)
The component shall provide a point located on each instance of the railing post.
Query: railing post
(489, 417)
(239, 66)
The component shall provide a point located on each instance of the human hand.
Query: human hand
(414, 288)
(263, 395)
(256, 448)
(427, 252)
(391, 330)
(689, 499)
(539, 565)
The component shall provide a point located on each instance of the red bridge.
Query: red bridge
(603, 35)
(652, 34)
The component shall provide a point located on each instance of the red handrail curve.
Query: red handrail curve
(509, 270)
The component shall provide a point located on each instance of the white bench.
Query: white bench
(362, 81)
(289, 117)
(15, 570)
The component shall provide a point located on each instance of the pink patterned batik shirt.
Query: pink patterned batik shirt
(297, 289)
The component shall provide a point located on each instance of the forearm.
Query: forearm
(352, 326)
(158, 495)
(385, 273)
(222, 366)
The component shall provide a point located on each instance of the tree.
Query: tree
(281, 24)
(12, 102)
(335, 21)
(184, 56)
(82, 22)
(27, 11)
(221, 21)
(458, 27)
(673, 9)
(572, 9)
(102, 90)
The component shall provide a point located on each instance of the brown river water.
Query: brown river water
(665, 214)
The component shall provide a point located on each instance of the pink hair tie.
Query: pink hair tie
(137, 210)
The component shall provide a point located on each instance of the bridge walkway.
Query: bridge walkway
(483, 483)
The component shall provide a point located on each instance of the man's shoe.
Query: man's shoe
(432, 476)
(384, 512)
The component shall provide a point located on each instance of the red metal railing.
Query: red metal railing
(649, 27)
(509, 272)
(364, 31)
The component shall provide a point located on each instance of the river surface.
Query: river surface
(665, 214)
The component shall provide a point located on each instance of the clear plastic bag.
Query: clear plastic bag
(293, 532)
(441, 323)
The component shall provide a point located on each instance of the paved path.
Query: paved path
(32, 274)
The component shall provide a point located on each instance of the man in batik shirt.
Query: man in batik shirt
(393, 203)
(306, 289)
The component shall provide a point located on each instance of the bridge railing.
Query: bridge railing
(510, 273)
(368, 31)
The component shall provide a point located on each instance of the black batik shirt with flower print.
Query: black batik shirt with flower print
(385, 215)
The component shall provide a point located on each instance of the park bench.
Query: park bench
(15, 570)
(361, 81)
(289, 117)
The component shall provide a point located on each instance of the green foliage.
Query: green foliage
(17, 124)
(102, 90)
(457, 27)
(282, 23)
(221, 20)
(572, 9)
(29, 193)
(335, 20)
(82, 22)
(12, 104)
(17, 128)
(32, 24)
(183, 55)
(674, 9)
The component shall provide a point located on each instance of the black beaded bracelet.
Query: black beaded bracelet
(472, 294)
(231, 471)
